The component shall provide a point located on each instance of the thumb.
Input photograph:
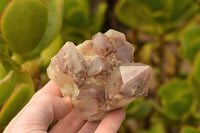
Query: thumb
(38, 115)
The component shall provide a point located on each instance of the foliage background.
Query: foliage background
(165, 34)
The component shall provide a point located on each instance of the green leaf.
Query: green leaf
(194, 85)
(51, 50)
(25, 78)
(84, 5)
(23, 25)
(4, 50)
(12, 77)
(99, 18)
(7, 86)
(2, 71)
(69, 4)
(157, 128)
(189, 34)
(1, 38)
(81, 21)
(180, 106)
(75, 16)
(194, 82)
(138, 109)
(137, 15)
(7, 63)
(54, 23)
(189, 129)
(3, 6)
(196, 67)
(76, 13)
(75, 35)
(190, 41)
(153, 5)
(143, 131)
(176, 98)
(125, 10)
(14, 104)
(177, 8)
(156, 17)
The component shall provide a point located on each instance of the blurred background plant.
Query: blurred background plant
(165, 33)
(82, 19)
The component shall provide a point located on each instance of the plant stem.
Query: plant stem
(18, 59)
(135, 36)
(160, 43)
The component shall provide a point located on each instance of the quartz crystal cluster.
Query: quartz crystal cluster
(99, 75)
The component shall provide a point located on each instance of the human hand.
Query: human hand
(47, 105)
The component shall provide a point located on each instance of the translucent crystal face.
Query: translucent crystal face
(99, 74)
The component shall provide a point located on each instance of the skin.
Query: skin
(47, 105)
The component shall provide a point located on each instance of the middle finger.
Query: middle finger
(71, 123)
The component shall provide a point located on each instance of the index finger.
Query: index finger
(51, 88)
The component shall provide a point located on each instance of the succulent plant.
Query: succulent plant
(176, 102)
(139, 108)
(51, 50)
(28, 26)
(194, 83)
(4, 50)
(190, 129)
(190, 40)
(80, 21)
(16, 88)
(155, 128)
(180, 101)
(155, 16)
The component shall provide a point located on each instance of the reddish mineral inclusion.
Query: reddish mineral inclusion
(99, 75)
